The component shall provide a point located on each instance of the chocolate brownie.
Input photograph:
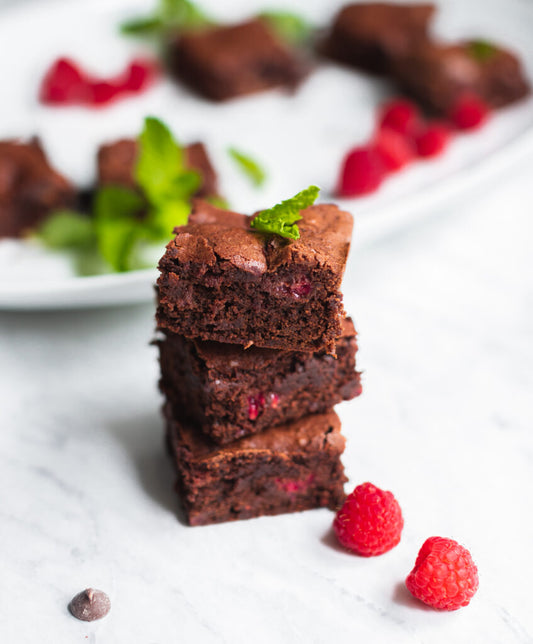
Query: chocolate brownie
(30, 189)
(116, 163)
(224, 62)
(288, 468)
(223, 281)
(229, 392)
(371, 35)
(437, 75)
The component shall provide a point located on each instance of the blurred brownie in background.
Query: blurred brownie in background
(116, 165)
(438, 75)
(224, 62)
(30, 189)
(371, 35)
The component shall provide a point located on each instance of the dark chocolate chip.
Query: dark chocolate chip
(89, 605)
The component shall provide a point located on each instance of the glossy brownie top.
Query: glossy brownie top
(376, 18)
(213, 235)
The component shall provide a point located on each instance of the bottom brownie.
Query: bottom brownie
(288, 468)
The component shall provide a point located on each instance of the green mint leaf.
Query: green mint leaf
(142, 26)
(281, 219)
(160, 159)
(183, 15)
(249, 166)
(170, 16)
(481, 50)
(117, 214)
(161, 221)
(288, 26)
(67, 229)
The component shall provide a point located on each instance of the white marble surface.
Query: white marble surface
(444, 311)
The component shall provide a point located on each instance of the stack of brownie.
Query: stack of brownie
(255, 350)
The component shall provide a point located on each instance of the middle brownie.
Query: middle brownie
(230, 392)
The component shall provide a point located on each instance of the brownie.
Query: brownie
(371, 35)
(221, 280)
(288, 468)
(437, 75)
(116, 164)
(223, 62)
(30, 189)
(230, 392)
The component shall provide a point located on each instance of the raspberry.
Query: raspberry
(433, 140)
(402, 116)
(469, 113)
(362, 172)
(395, 150)
(370, 522)
(444, 575)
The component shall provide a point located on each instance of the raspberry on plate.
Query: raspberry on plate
(363, 171)
(444, 576)
(402, 116)
(370, 522)
(469, 113)
(395, 149)
(433, 140)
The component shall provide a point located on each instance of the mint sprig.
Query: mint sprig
(124, 220)
(481, 50)
(249, 166)
(281, 219)
(289, 26)
(170, 16)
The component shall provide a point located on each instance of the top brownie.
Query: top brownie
(30, 189)
(438, 75)
(116, 165)
(371, 35)
(223, 281)
(232, 60)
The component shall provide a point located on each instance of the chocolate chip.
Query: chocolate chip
(89, 605)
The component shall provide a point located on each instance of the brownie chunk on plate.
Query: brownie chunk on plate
(116, 163)
(30, 189)
(289, 468)
(224, 62)
(438, 75)
(221, 280)
(371, 35)
(229, 392)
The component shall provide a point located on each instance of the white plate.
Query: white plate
(301, 139)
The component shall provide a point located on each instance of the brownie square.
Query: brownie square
(116, 165)
(229, 392)
(30, 189)
(223, 281)
(224, 62)
(437, 75)
(284, 469)
(371, 35)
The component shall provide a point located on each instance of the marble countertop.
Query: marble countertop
(444, 312)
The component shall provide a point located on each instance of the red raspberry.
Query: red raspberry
(433, 140)
(395, 149)
(370, 522)
(362, 172)
(402, 116)
(469, 113)
(444, 575)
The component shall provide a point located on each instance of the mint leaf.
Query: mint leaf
(142, 26)
(481, 50)
(281, 219)
(161, 220)
(159, 161)
(67, 229)
(117, 213)
(249, 166)
(170, 16)
(288, 26)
